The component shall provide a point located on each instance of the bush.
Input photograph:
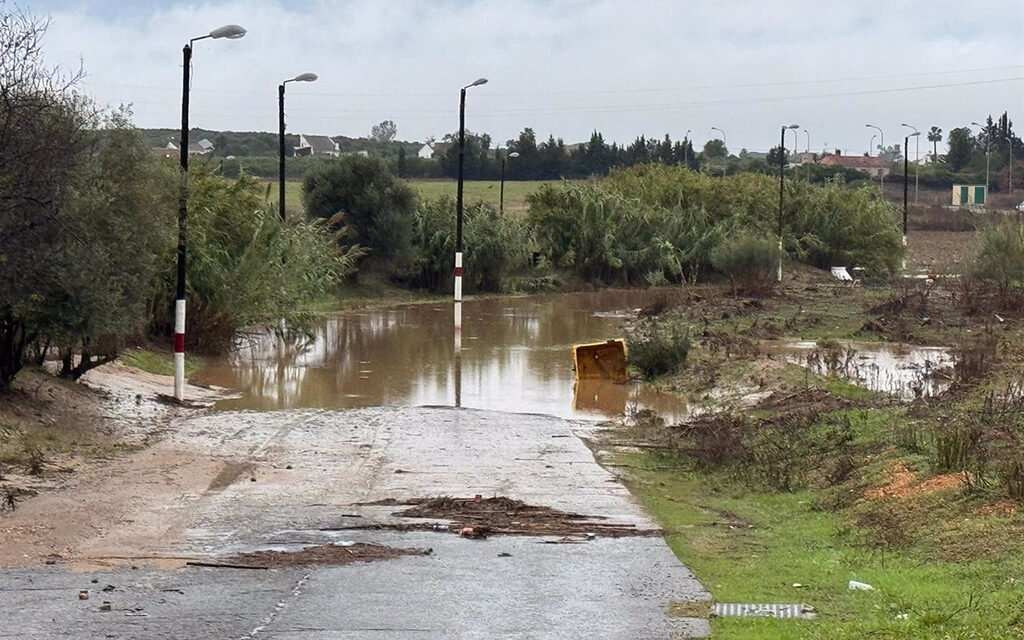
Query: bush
(750, 262)
(999, 261)
(652, 219)
(361, 192)
(247, 268)
(658, 348)
(495, 246)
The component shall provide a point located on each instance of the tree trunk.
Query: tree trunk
(13, 341)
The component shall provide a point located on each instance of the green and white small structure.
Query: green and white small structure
(969, 194)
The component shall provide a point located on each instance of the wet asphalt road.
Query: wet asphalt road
(312, 468)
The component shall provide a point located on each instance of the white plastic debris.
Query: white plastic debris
(860, 586)
(344, 543)
(841, 274)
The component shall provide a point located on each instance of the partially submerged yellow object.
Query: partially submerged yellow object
(601, 361)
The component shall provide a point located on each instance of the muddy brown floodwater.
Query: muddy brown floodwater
(516, 356)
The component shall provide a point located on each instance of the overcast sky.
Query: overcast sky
(563, 67)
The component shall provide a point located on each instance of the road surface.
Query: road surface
(224, 483)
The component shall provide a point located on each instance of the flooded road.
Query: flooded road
(516, 357)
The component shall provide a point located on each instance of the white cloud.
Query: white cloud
(560, 66)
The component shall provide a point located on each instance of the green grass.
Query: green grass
(792, 542)
(159, 362)
(483, 190)
(473, 191)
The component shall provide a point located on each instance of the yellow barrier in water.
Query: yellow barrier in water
(601, 361)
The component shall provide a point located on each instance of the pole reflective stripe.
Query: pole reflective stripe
(458, 276)
(179, 349)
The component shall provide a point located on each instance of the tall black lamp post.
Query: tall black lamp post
(501, 198)
(458, 198)
(917, 156)
(881, 135)
(304, 77)
(782, 185)
(458, 241)
(988, 150)
(906, 182)
(233, 32)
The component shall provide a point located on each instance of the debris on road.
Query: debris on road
(329, 554)
(505, 516)
(860, 586)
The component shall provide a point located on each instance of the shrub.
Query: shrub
(750, 262)
(495, 246)
(658, 348)
(247, 268)
(361, 192)
(999, 261)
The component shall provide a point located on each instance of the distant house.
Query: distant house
(433, 150)
(576, 146)
(317, 146)
(875, 167)
(202, 148)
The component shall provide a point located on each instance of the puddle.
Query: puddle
(905, 371)
(516, 356)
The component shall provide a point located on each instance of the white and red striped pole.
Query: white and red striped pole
(179, 303)
(179, 349)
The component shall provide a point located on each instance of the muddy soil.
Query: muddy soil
(323, 555)
(482, 517)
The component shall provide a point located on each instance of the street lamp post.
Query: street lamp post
(458, 204)
(988, 154)
(782, 185)
(881, 135)
(686, 149)
(304, 77)
(724, 140)
(906, 182)
(233, 32)
(1009, 186)
(917, 156)
(871, 144)
(501, 201)
(807, 152)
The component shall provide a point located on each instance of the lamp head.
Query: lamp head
(304, 77)
(914, 135)
(229, 31)
(793, 126)
(477, 82)
(514, 154)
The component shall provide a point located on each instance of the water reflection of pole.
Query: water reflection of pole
(458, 354)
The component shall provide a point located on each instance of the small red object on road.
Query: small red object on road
(478, 498)
(83, 595)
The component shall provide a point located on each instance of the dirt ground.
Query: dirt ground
(938, 252)
(58, 437)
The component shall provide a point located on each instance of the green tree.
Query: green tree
(384, 132)
(777, 156)
(935, 137)
(362, 193)
(961, 148)
(715, 150)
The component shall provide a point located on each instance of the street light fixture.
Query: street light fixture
(458, 205)
(782, 184)
(686, 149)
(302, 77)
(906, 142)
(232, 32)
(501, 205)
(917, 156)
(881, 135)
(988, 155)
(1009, 186)
(724, 140)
